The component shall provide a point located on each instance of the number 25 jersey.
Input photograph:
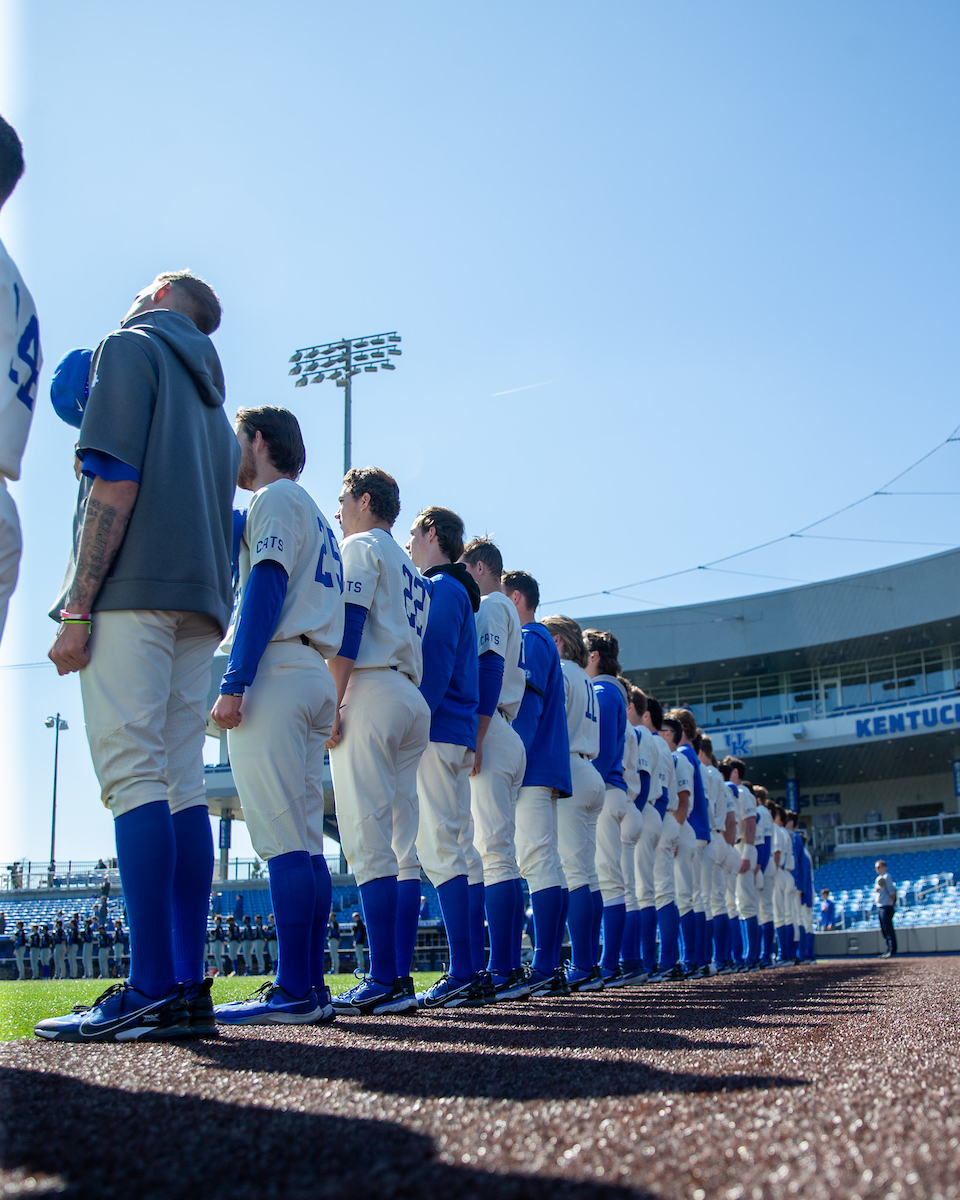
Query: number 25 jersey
(380, 577)
(20, 363)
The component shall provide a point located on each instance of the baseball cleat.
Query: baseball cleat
(328, 1013)
(613, 979)
(270, 1005)
(448, 992)
(121, 1014)
(581, 980)
(203, 1021)
(548, 985)
(635, 977)
(370, 998)
(511, 987)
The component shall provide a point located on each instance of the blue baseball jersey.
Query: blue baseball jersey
(451, 669)
(613, 726)
(699, 816)
(542, 719)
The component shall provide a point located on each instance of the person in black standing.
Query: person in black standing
(886, 891)
(360, 941)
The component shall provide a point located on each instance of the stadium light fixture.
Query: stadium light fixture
(55, 723)
(314, 364)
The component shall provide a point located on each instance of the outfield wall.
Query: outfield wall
(926, 939)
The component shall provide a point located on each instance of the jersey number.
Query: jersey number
(28, 351)
(328, 543)
(591, 713)
(414, 607)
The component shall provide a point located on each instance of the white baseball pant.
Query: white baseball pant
(88, 960)
(256, 949)
(631, 828)
(145, 706)
(386, 728)
(664, 865)
(698, 870)
(765, 898)
(443, 790)
(103, 958)
(276, 751)
(35, 961)
(10, 547)
(538, 856)
(644, 855)
(577, 816)
(747, 905)
(20, 954)
(60, 961)
(609, 847)
(493, 801)
(781, 901)
(683, 868)
(806, 917)
(713, 876)
(794, 918)
(72, 960)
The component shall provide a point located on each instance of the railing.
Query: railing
(69, 874)
(896, 831)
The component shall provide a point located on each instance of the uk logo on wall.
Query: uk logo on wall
(738, 744)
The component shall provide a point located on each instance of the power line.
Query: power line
(24, 666)
(881, 491)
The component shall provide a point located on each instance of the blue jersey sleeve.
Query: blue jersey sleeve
(354, 616)
(440, 640)
(763, 853)
(97, 464)
(613, 723)
(259, 612)
(641, 799)
(491, 680)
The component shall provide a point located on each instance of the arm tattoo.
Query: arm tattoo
(101, 535)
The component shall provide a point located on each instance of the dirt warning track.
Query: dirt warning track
(839, 1080)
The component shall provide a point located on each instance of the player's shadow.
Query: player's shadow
(467, 1073)
(91, 1142)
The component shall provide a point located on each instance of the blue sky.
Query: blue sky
(721, 237)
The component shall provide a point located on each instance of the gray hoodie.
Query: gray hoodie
(156, 403)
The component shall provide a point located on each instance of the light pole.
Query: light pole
(55, 723)
(340, 361)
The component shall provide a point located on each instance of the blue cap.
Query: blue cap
(68, 388)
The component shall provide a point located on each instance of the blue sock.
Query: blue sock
(455, 906)
(630, 946)
(500, 900)
(700, 944)
(147, 857)
(720, 939)
(668, 922)
(380, 900)
(688, 931)
(322, 902)
(781, 932)
(562, 926)
(408, 922)
(478, 949)
(597, 923)
(708, 942)
(293, 894)
(767, 931)
(580, 924)
(648, 938)
(751, 939)
(736, 940)
(519, 913)
(547, 903)
(192, 878)
(614, 916)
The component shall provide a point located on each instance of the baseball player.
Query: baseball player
(747, 904)
(806, 906)
(577, 815)
(87, 937)
(699, 821)
(73, 945)
(672, 733)
(59, 938)
(723, 824)
(273, 946)
(766, 876)
(499, 763)
(664, 849)
(20, 949)
(217, 934)
(104, 944)
(542, 726)
(20, 362)
(277, 703)
(794, 886)
(33, 944)
(639, 766)
(451, 687)
(257, 949)
(603, 667)
(381, 731)
(646, 707)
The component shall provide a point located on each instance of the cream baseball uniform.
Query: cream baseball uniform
(687, 846)
(747, 901)
(577, 814)
(493, 792)
(632, 824)
(720, 803)
(385, 722)
(20, 362)
(644, 853)
(277, 750)
(767, 877)
(783, 882)
(664, 872)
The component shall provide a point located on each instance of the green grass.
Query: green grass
(23, 1003)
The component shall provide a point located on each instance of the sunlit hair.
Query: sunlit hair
(483, 550)
(197, 299)
(607, 646)
(448, 527)
(571, 635)
(380, 486)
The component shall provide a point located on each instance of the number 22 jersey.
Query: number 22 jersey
(380, 577)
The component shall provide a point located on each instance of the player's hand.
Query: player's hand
(477, 760)
(744, 866)
(226, 712)
(69, 652)
(336, 733)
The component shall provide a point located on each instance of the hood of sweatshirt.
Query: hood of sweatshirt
(613, 679)
(461, 575)
(194, 349)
